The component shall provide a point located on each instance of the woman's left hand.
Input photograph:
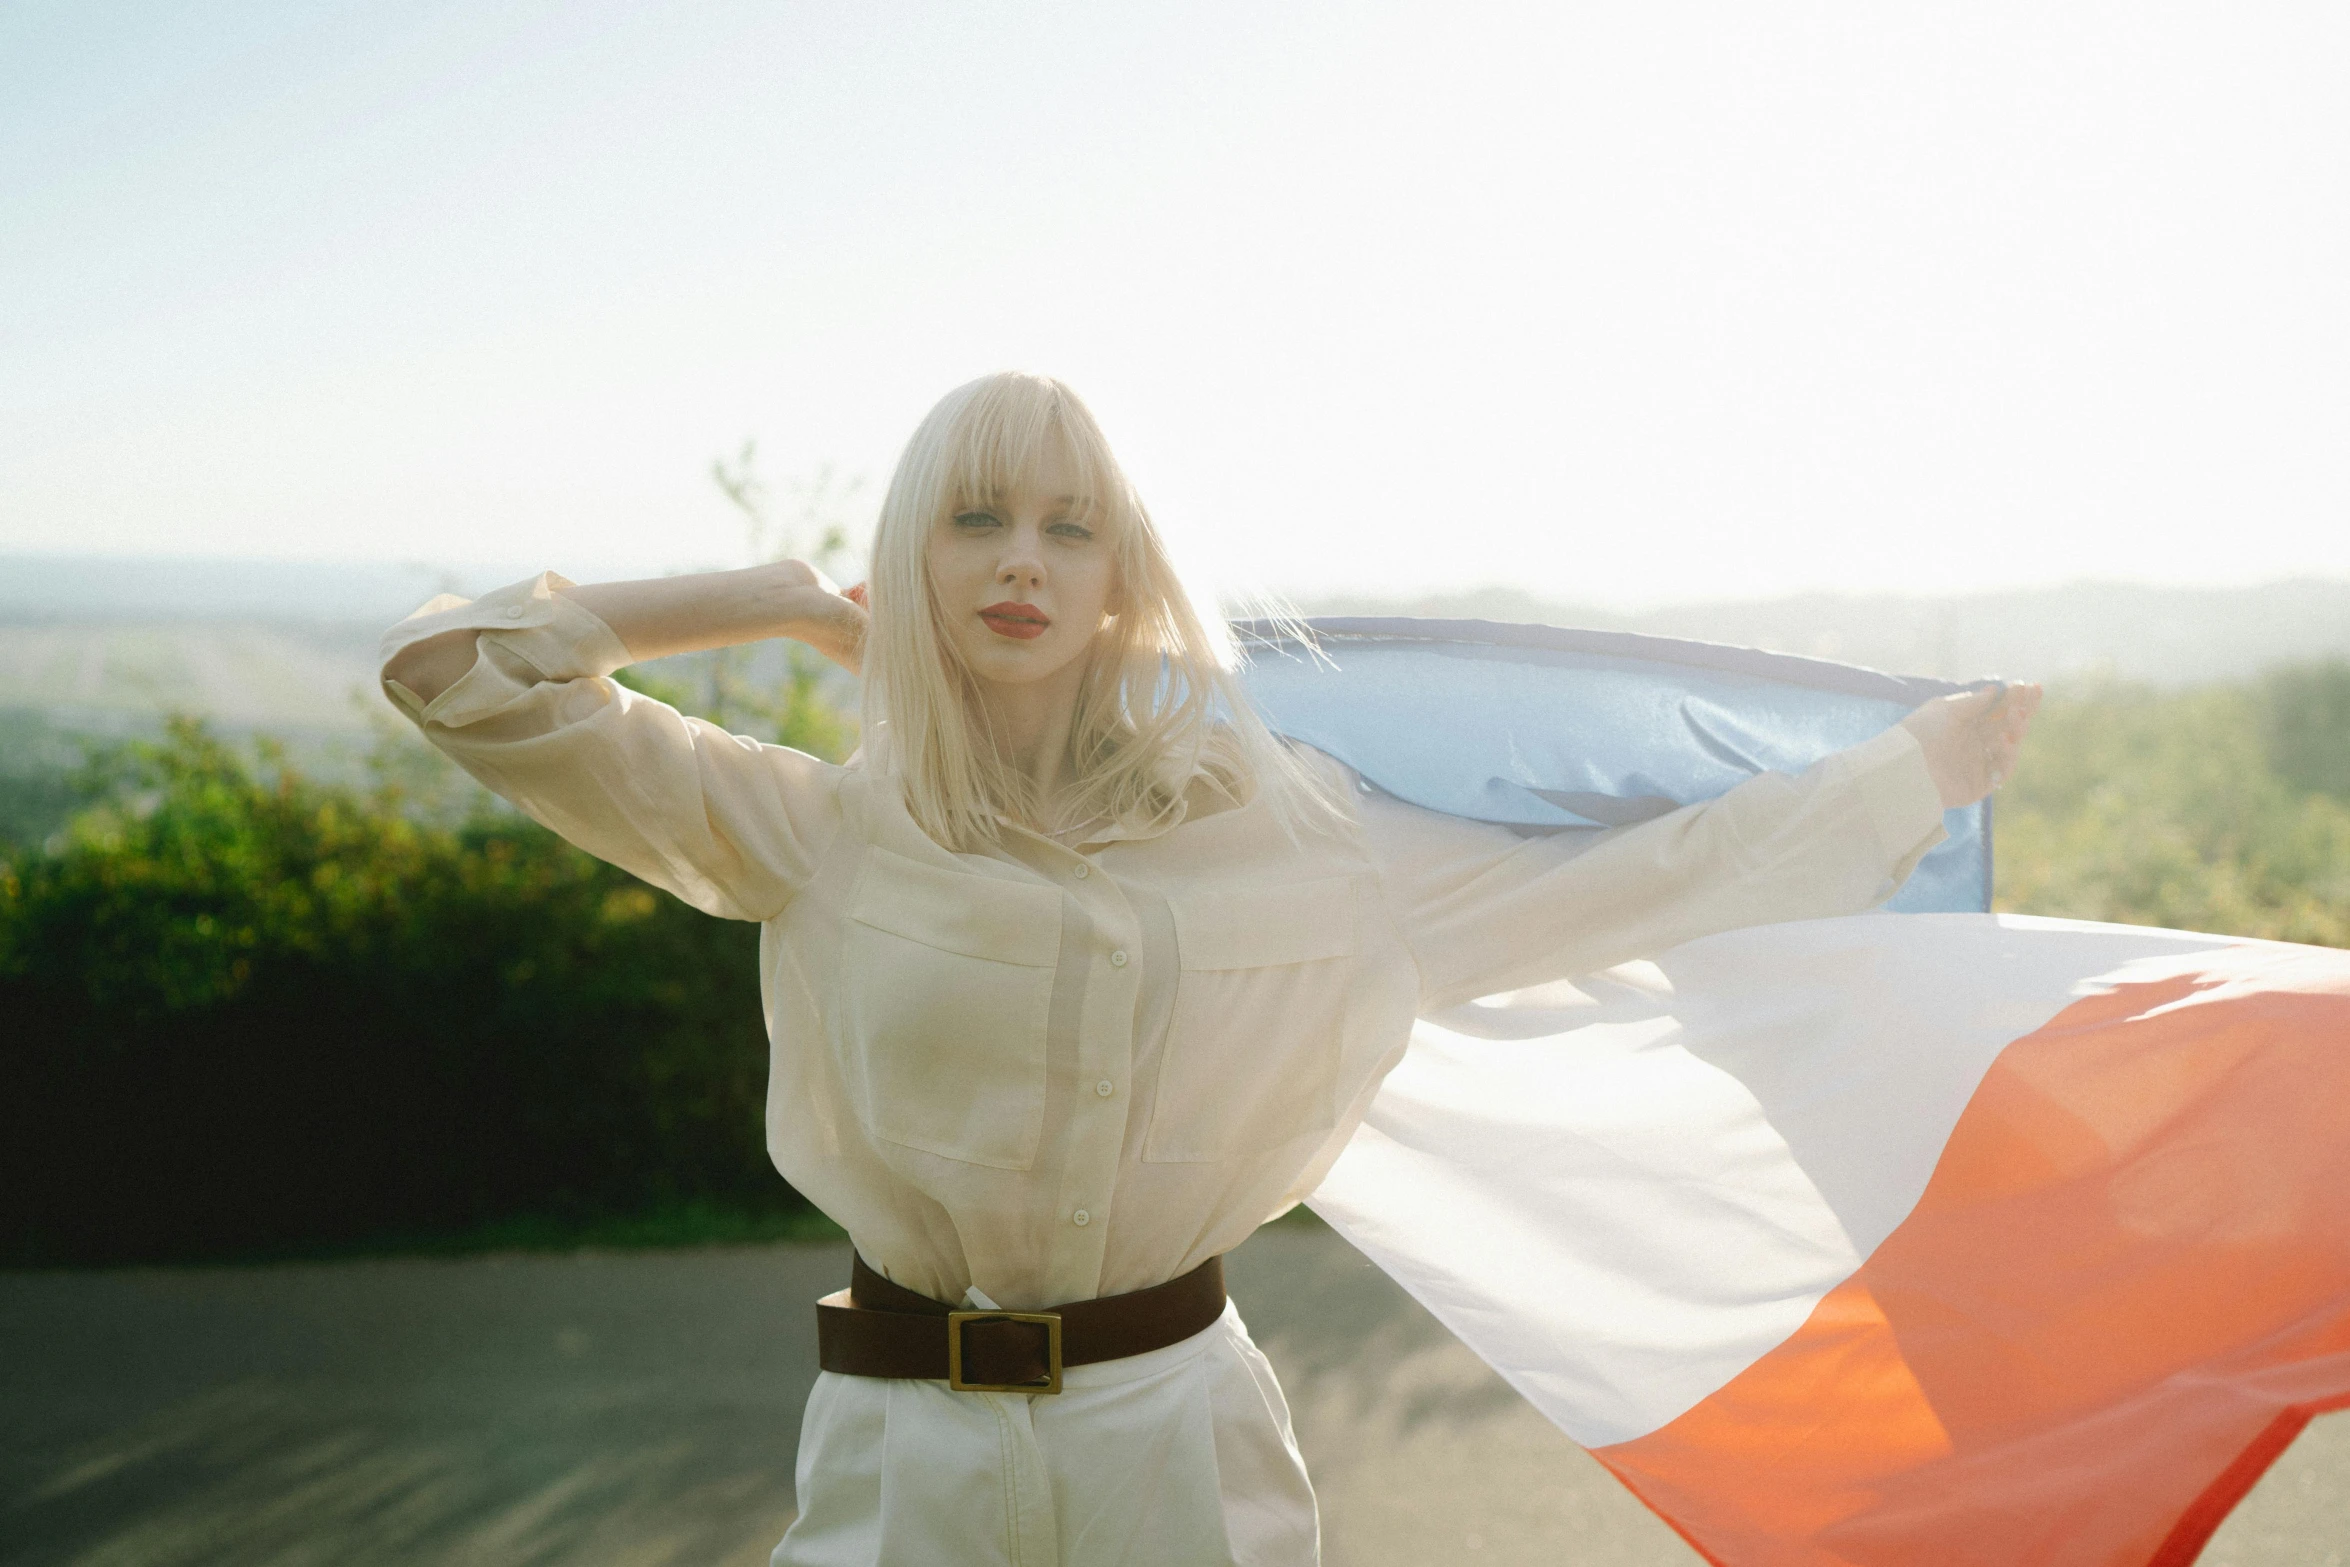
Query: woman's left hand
(1971, 739)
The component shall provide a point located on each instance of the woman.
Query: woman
(1077, 975)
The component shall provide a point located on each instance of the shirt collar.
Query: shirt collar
(1203, 796)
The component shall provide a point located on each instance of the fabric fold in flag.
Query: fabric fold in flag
(1938, 1238)
(1549, 730)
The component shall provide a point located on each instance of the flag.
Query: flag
(1927, 1238)
(1546, 730)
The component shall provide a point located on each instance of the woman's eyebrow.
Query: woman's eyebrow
(1058, 505)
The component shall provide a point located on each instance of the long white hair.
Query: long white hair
(1159, 707)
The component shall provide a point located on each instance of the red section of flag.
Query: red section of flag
(2125, 1289)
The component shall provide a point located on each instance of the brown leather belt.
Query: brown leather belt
(878, 1329)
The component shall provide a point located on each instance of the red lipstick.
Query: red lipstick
(1015, 620)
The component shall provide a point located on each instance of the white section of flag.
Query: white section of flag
(1622, 1194)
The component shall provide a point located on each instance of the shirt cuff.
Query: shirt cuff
(539, 625)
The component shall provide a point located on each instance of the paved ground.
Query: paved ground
(641, 1408)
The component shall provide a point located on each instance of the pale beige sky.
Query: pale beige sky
(1613, 303)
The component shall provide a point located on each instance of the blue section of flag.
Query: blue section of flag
(1541, 728)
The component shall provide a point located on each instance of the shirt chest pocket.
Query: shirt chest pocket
(946, 988)
(1256, 1034)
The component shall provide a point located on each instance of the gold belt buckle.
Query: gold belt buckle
(957, 1320)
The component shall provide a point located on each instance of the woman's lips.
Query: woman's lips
(1015, 620)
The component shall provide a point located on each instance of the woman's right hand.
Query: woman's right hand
(829, 619)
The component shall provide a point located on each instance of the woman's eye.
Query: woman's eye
(1071, 530)
(976, 519)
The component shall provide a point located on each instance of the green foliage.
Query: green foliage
(252, 1011)
(798, 710)
(2305, 725)
(2201, 810)
(39, 787)
(808, 524)
(807, 721)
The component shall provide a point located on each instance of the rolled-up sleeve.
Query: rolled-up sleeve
(732, 826)
(1486, 910)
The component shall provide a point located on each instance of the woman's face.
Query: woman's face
(1024, 580)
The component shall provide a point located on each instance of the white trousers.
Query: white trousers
(1182, 1457)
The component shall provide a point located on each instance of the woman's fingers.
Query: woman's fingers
(2026, 706)
(2015, 715)
(842, 634)
(1971, 737)
(1979, 728)
(2005, 723)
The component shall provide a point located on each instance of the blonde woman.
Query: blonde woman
(1076, 974)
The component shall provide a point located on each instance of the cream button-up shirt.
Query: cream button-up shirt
(1053, 1072)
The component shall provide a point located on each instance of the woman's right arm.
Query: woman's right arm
(511, 686)
(659, 616)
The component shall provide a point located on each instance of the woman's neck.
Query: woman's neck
(1031, 724)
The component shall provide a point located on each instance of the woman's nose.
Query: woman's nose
(1021, 565)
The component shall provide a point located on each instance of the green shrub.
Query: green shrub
(253, 1012)
(38, 784)
(2305, 725)
(2156, 808)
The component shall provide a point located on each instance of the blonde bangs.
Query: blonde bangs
(1003, 438)
(1160, 705)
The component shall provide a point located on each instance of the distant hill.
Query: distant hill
(289, 647)
(2160, 636)
(85, 587)
(113, 674)
(285, 646)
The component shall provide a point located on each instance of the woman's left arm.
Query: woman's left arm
(1485, 910)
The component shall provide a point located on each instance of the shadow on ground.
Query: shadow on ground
(605, 1408)
(642, 1408)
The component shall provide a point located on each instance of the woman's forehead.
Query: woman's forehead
(1054, 477)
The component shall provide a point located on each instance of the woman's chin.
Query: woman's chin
(1011, 662)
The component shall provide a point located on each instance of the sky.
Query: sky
(1615, 304)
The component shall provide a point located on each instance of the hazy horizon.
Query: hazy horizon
(290, 648)
(154, 579)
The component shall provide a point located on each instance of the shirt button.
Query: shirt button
(514, 613)
(1118, 958)
(1083, 870)
(1081, 1218)
(1105, 1088)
